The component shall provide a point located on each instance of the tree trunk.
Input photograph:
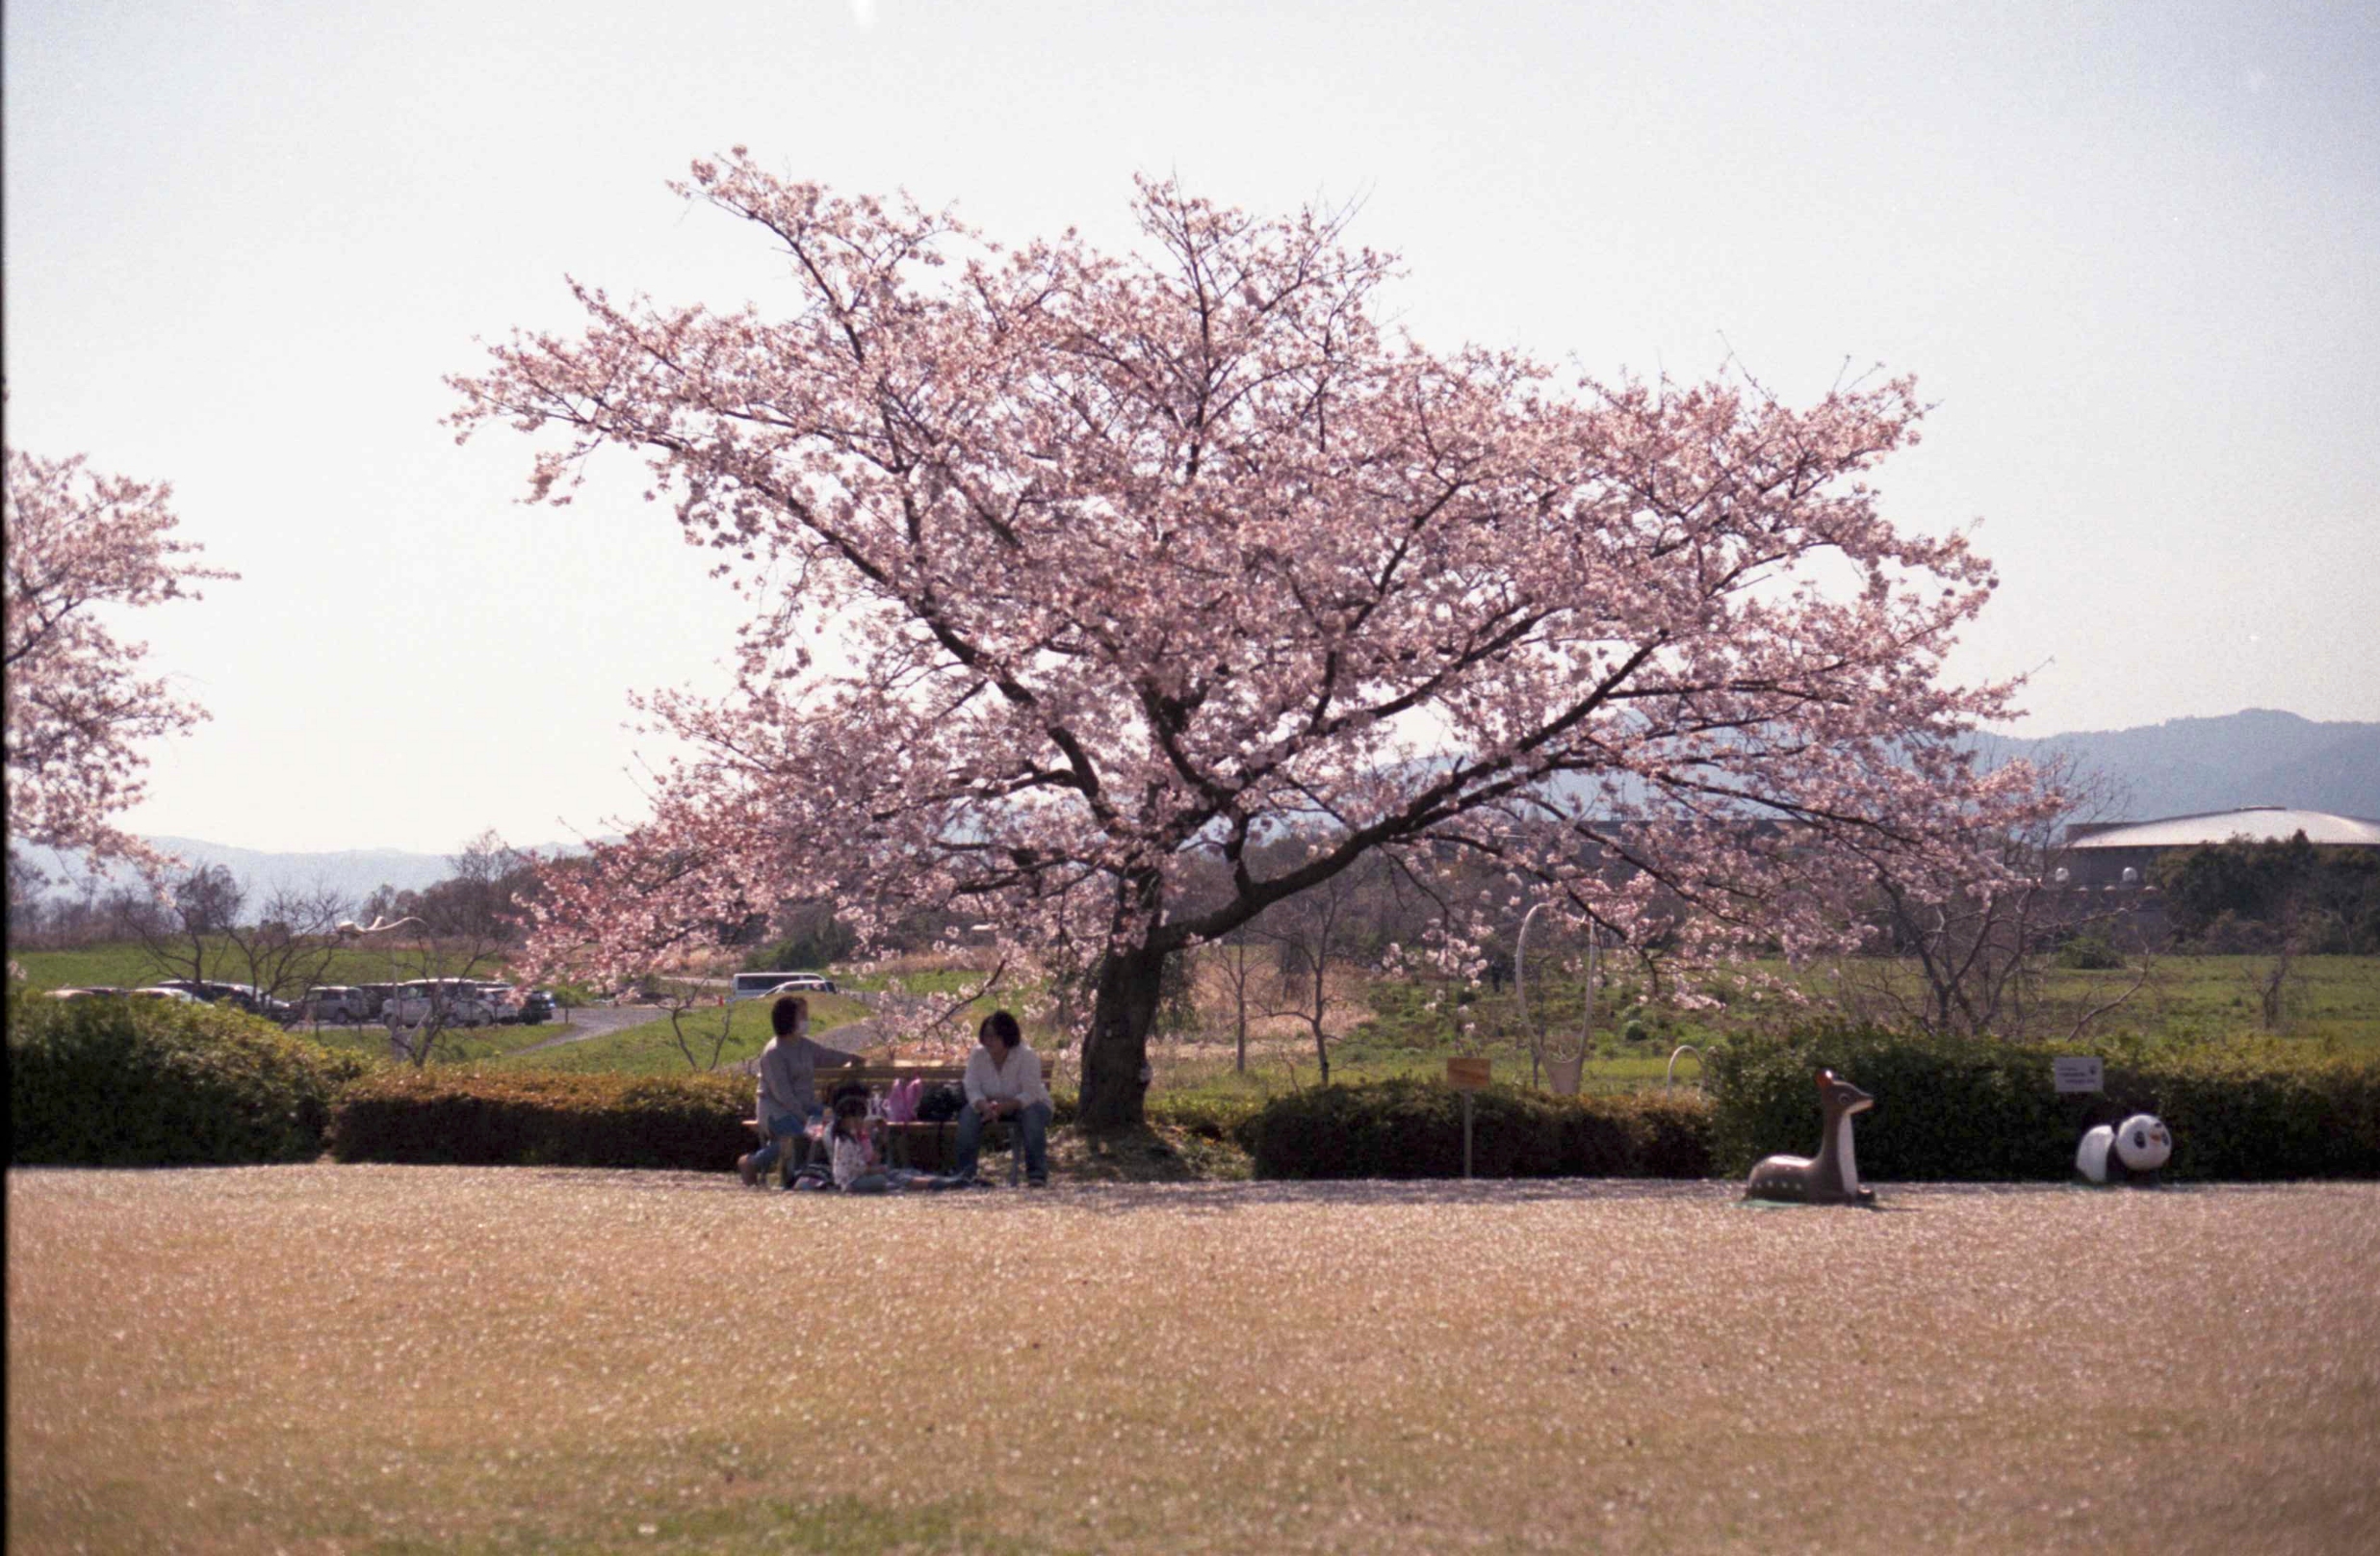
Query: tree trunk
(1115, 1056)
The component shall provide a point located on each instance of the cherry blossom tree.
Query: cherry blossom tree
(1075, 575)
(81, 545)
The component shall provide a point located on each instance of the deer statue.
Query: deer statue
(1832, 1178)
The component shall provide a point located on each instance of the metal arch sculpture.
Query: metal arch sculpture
(1520, 990)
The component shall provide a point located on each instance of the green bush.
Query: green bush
(494, 1118)
(160, 1084)
(1980, 1110)
(2090, 951)
(1414, 1129)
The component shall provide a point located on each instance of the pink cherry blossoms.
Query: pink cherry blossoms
(1076, 576)
(78, 544)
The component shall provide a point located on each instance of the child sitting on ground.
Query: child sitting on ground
(851, 1149)
(851, 1164)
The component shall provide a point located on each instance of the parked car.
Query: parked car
(371, 1000)
(256, 1002)
(96, 992)
(334, 1002)
(770, 984)
(160, 991)
(453, 1002)
(536, 1006)
(240, 996)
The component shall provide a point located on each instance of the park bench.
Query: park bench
(901, 1145)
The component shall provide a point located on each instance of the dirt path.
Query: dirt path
(230, 1360)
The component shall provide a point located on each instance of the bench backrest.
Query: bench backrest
(877, 1077)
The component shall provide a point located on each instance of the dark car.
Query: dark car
(239, 996)
(536, 1005)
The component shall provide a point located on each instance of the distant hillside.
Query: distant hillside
(354, 874)
(2259, 757)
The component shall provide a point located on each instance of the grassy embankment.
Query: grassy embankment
(1384, 1028)
(647, 1049)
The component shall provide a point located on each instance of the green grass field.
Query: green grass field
(2185, 998)
(2335, 1002)
(127, 965)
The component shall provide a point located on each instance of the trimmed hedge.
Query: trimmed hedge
(1414, 1129)
(464, 1116)
(1980, 1110)
(161, 1083)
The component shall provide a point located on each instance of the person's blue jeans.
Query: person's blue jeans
(779, 1124)
(1033, 1118)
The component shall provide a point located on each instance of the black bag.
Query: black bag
(940, 1103)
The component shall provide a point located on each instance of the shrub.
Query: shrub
(490, 1118)
(160, 1084)
(1414, 1129)
(2090, 951)
(1979, 1110)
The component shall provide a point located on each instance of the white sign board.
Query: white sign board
(2078, 1074)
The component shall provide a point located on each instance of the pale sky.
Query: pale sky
(2131, 251)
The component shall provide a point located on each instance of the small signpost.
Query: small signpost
(2078, 1074)
(1466, 1075)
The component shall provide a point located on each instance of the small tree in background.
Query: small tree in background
(1240, 957)
(1312, 937)
(471, 921)
(291, 944)
(700, 1020)
(191, 940)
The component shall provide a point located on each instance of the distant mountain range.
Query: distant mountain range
(2184, 766)
(354, 874)
(2187, 766)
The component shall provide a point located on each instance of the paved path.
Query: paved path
(597, 1020)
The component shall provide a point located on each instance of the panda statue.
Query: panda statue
(2128, 1153)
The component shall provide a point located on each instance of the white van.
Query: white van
(761, 985)
(454, 1002)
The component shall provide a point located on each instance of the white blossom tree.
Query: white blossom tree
(1131, 562)
(81, 546)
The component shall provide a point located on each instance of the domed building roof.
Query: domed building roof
(2255, 823)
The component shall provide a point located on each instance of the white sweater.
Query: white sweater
(1018, 1080)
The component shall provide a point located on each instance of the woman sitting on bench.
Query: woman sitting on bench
(1004, 1082)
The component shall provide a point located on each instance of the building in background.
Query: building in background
(2104, 854)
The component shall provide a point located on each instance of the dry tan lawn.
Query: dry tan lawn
(361, 1359)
